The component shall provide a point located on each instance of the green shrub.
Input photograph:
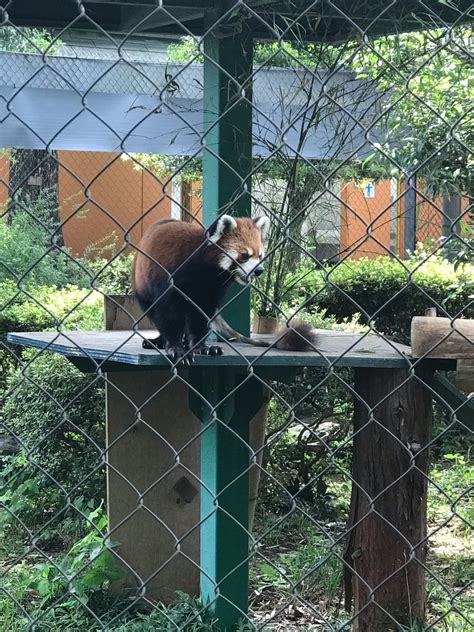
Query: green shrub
(52, 594)
(43, 307)
(111, 276)
(296, 457)
(386, 292)
(312, 566)
(28, 253)
(57, 412)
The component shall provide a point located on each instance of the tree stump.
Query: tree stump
(386, 546)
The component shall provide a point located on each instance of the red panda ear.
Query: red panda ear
(264, 224)
(222, 226)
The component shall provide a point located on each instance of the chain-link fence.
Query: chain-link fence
(317, 480)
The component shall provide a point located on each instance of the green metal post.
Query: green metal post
(227, 156)
(225, 460)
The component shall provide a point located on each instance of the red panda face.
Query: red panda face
(241, 243)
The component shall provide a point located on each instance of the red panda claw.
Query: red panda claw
(214, 350)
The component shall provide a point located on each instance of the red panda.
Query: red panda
(180, 276)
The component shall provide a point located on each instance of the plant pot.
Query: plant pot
(265, 325)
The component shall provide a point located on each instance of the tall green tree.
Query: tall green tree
(427, 86)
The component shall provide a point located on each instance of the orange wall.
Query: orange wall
(121, 198)
(100, 193)
(359, 215)
(4, 179)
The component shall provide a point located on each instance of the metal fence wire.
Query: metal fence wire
(268, 488)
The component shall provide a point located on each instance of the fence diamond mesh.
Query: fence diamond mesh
(313, 476)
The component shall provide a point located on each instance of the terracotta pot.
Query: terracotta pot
(265, 324)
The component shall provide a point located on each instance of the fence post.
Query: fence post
(410, 216)
(386, 545)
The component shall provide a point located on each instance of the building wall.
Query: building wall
(367, 224)
(4, 179)
(101, 194)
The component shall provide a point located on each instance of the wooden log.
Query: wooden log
(258, 427)
(465, 376)
(442, 338)
(392, 425)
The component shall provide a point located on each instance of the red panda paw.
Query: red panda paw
(179, 355)
(212, 350)
(153, 343)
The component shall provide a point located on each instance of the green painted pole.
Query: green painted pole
(227, 155)
(225, 461)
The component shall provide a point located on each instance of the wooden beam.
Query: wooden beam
(442, 338)
(456, 400)
(158, 19)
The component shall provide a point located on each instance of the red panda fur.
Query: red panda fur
(181, 273)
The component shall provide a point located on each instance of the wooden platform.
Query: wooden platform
(125, 347)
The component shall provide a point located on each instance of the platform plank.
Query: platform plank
(340, 349)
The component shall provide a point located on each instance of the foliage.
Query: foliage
(280, 54)
(186, 613)
(111, 276)
(52, 593)
(43, 307)
(381, 287)
(57, 413)
(185, 51)
(309, 418)
(28, 249)
(459, 248)
(28, 40)
(426, 80)
(87, 568)
(167, 166)
(312, 567)
(453, 473)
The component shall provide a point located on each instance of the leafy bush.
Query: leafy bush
(57, 412)
(310, 417)
(386, 292)
(29, 254)
(186, 613)
(45, 307)
(311, 565)
(52, 593)
(28, 40)
(111, 276)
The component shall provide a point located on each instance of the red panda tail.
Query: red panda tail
(297, 337)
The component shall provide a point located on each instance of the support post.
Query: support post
(227, 157)
(387, 520)
(452, 211)
(225, 410)
(410, 216)
(152, 499)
